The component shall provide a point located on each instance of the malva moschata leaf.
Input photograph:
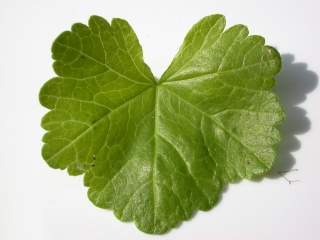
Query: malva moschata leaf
(156, 151)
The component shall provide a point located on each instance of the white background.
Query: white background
(40, 203)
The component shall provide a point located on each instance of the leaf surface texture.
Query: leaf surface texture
(156, 151)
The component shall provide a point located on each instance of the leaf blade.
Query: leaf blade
(156, 152)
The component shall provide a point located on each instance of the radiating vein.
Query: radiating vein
(108, 67)
(221, 127)
(94, 125)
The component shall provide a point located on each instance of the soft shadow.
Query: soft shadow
(294, 82)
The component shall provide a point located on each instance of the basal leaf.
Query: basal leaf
(157, 151)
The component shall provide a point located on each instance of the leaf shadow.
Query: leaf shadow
(294, 82)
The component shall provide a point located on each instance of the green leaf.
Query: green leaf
(157, 151)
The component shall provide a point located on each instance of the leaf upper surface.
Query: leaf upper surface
(157, 151)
